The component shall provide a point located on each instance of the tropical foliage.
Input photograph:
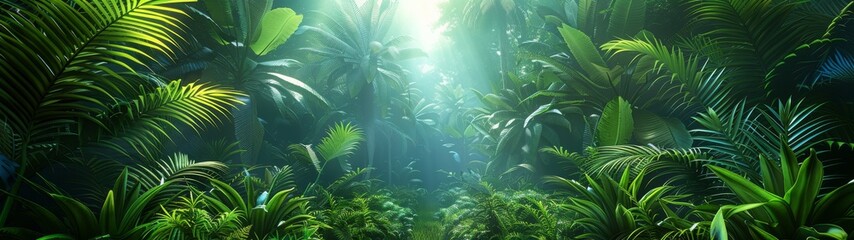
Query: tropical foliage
(346, 119)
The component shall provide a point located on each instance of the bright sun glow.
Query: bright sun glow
(417, 19)
(420, 17)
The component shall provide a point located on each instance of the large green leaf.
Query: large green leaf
(221, 12)
(496, 102)
(616, 124)
(822, 231)
(276, 27)
(746, 191)
(298, 89)
(802, 195)
(789, 163)
(827, 208)
(306, 152)
(540, 111)
(236, 20)
(81, 219)
(587, 55)
(586, 14)
(718, 227)
(283, 211)
(627, 17)
(665, 132)
(108, 218)
(226, 198)
(772, 177)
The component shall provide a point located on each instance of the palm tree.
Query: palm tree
(245, 34)
(65, 65)
(354, 53)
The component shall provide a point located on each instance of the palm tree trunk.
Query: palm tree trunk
(368, 101)
(371, 142)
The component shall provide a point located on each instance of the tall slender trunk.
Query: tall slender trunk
(368, 119)
(370, 133)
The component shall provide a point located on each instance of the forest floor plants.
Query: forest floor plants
(787, 203)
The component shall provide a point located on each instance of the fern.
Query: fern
(349, 182)
(190, 220)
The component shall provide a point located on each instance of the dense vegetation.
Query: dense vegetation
(541, 119)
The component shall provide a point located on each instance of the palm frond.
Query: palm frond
(55, 70)
(612, 160)
(279, 179)
(743, 134)
(248, 130)
(704, 89)
(753, 35)
(348, 182)
(306, 153)
(8, 139)
(144, 123)
(800, 125)
(341, 140)
(220, 150)
(838, 67)
(177, 168)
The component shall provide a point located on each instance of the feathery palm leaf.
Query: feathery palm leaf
(754, 36)
(704, 89)
(838, 67)
(611, 160)
(743, 134)
(145, 122)
(341, 140)
(177, 168)
(349, 182)
(63, 59)
(58, 72)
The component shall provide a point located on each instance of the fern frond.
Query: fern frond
(348, 181)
